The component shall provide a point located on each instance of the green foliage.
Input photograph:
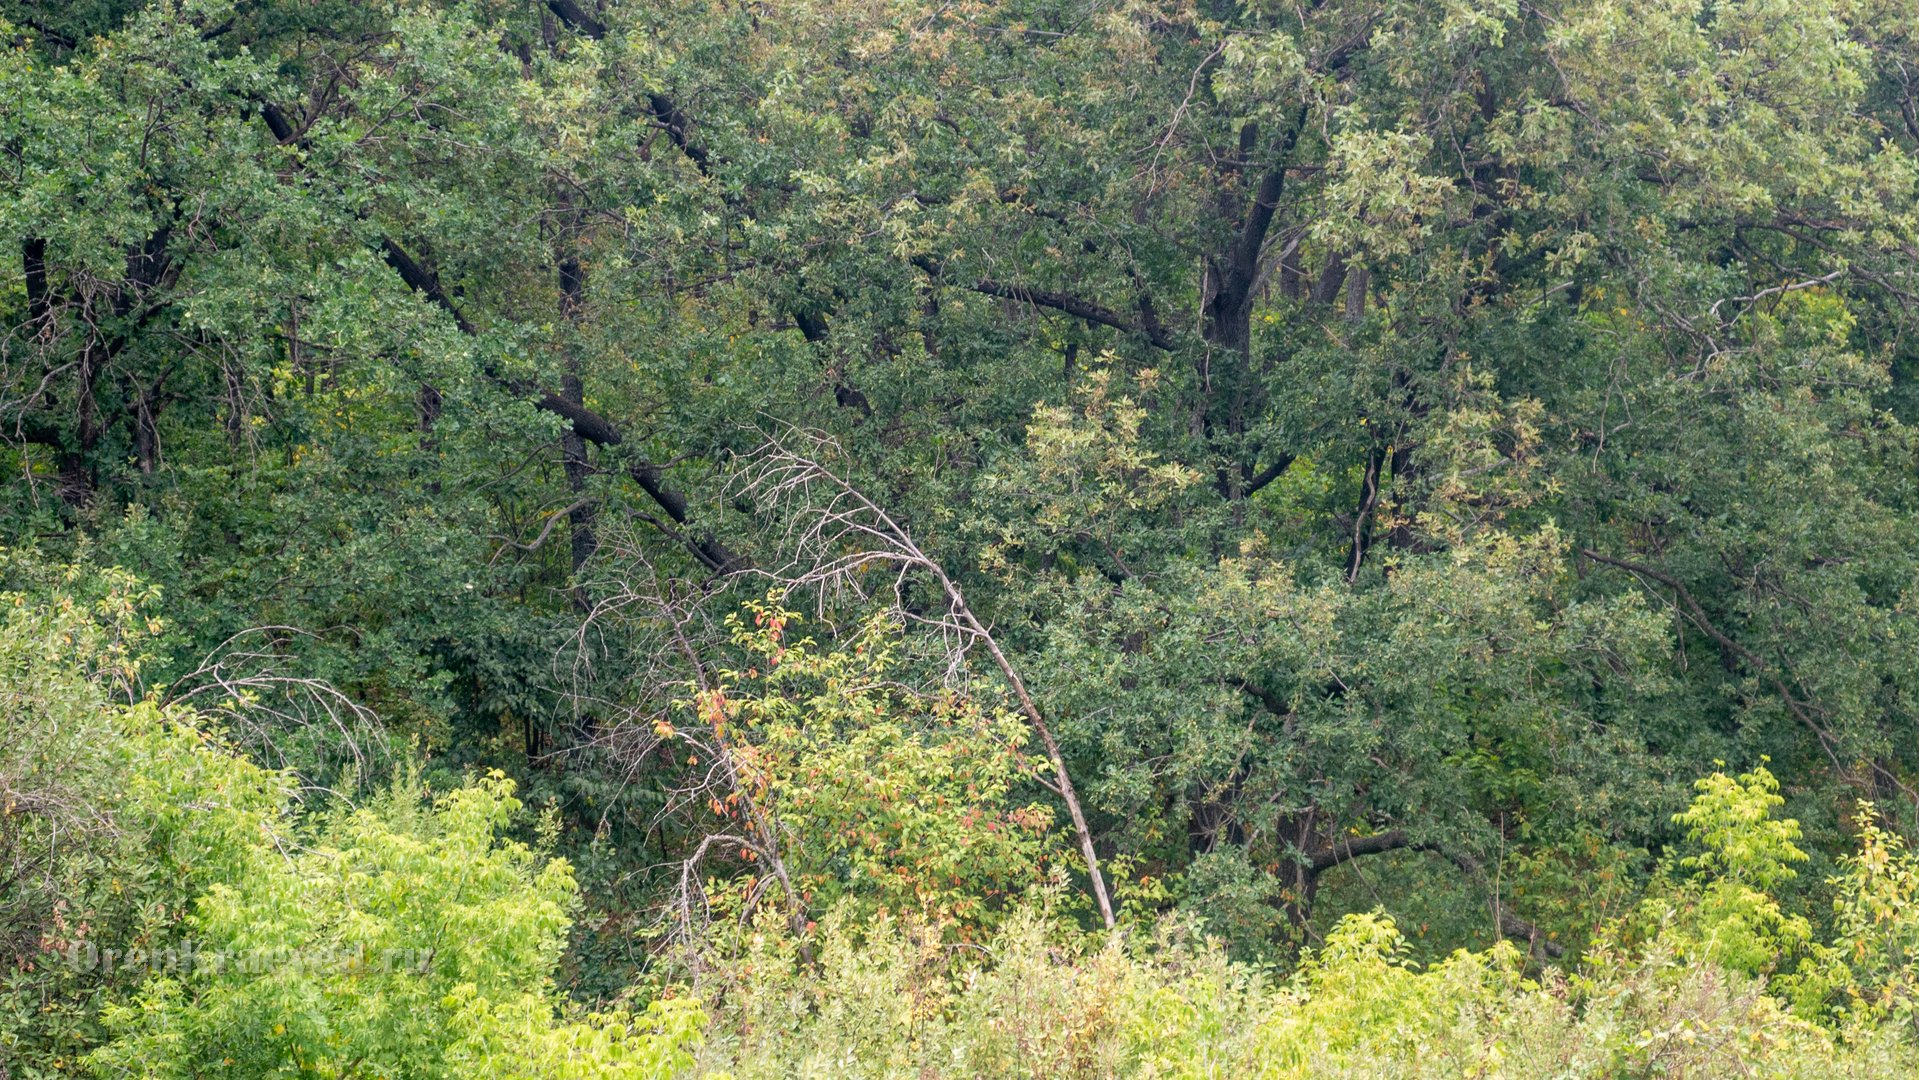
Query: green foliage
(881, 1005)
(403, 940)
(896, 802)
(1732, 819)
(1867, 973)
(1384, 450)
(1748, 855)
(1682, 1000)
(168, 909)
(115, 816)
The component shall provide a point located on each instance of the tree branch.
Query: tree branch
(670, 116)
(1352, 847)
(586, 423)
(33, 262)
(575, 16)
(1755, 662)
(840, 533)
(1253, 481)
(423, 281)
(1268, 700)
(664, 108)
(1347, 849)
(1510, 925)
(1148, 328)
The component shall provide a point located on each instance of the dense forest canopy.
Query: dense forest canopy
(857, 500)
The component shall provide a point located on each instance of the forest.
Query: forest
(959, 538)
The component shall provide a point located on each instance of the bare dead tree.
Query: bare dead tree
(837, 537)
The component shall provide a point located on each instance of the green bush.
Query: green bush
(191, 925)
(879, 1005)
(1712, 977)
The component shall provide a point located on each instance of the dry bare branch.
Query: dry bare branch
(837, 538)
(247, 680)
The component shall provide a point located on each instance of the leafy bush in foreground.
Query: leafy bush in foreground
(1709, 978)
(172, 917)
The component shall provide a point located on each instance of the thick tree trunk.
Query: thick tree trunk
(572, 445)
